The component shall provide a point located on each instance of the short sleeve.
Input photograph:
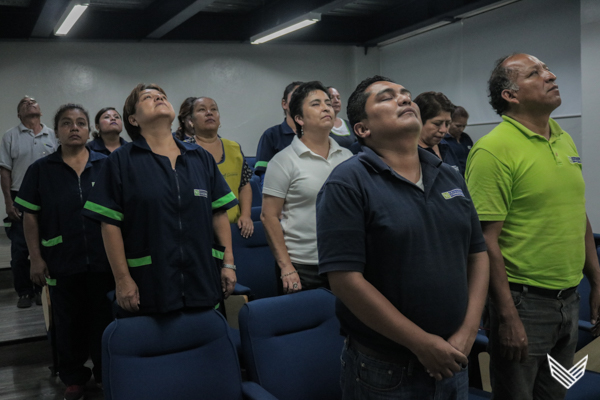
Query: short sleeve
(105, 202)
(28, 199)
(490, 184)
(264, 153)
(341, 230)
(277, 179)
(221, 195)
(246, 174)
(477, 244)
(5, 151)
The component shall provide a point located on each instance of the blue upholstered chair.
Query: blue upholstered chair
(256, 191)
(255, 213)
(587, 388)
(184, 355)
(292, 345)
(585, 326)
(256, 266)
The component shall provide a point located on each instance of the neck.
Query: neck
(158, 135)
(206, 137)
(423, 144)
(315, 139)
(456, 136)
(290, 122)
(110, 138)
(535, 122)
(338, 121)
(32, 122)
(402, 156)
(71, 152)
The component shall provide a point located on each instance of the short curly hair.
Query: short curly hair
(502, 78)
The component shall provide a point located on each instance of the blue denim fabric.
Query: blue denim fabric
(552, 328)
(364, 377)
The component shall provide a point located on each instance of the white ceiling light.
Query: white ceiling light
(283, 29)
(69, 18)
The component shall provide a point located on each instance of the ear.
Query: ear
(97, 128)
(284, 104)
(299, 120)
(510, 96)
(361, 130)
(132, 120)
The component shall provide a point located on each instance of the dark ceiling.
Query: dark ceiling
(343, 22)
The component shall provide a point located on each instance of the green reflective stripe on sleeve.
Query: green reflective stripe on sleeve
(51, 282)
(7, 224)
(27, 204)
(261, 164)
(107, 212)
(138, 262)
(217, 306)
(223, 200)
(218, 254)
(52, 242)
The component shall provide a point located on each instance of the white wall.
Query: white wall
(590, 60)
(246, 81)
(458, 58)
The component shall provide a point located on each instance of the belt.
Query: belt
(385, 357)
(557, 294)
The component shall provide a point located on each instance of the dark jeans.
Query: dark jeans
(81, 312)
(552, 327)
(364, 377)
(309, 276)
(19, 257)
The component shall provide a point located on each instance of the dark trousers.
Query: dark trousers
(81, 312)
(19, 257)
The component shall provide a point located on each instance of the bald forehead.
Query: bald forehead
(522, 60)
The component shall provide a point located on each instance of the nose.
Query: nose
(160, 97)
(443, 128)
(404, 99)
(550, 76)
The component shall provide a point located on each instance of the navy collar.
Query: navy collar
(286, 129)
(93, 157)
(184, 147)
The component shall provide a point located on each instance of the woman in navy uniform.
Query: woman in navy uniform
(66, 248)
(162, 204)
(108, 128)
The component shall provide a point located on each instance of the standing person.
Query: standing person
(526, 181)
(21, 146)
(411, 279)
(185, 131)
(162, 204)
(206, 121)
(457, 138)
(66, 248)
(435, 114)
(108, 130)
(277, 137)
(341, 131)
(291, 185)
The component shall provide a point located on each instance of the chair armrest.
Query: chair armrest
(253, 391)
(241, 290)
(585, 325)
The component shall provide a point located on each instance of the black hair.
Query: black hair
(298, 97)
(186, 110)
(432, 104)
(70, 106)
(288, 89)
(95, 133)
(460, 112)
(355, 110)
(131, 105)
(502, 78)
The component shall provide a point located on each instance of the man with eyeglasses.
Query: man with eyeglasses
(20, 147)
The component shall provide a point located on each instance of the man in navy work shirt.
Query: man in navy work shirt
(457, 138)
(401, 243)
(277, 137)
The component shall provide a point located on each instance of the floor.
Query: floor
(25, 352)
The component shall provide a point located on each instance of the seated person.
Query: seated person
(293, 179)
(435, 115)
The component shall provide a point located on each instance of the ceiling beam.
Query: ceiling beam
(179, 18)
(48, 18)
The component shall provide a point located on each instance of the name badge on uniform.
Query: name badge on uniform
(453, 193)
(200, 193)
(575, 160)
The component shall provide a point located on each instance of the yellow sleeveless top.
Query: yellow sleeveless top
(231, 169)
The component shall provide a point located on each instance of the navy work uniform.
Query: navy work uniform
(99, 147)
(166, 219)
(72, 248)
(272, 141)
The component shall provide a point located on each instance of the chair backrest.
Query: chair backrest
(292, 345)
(256, 191)
(251, 161)
(256, 267)
(177, 356)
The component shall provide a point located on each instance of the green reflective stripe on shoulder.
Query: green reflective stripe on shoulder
(27, 204)
(217, 306)
(223, 200)
(261, 164)
(51, 282)
(107, 212)
(138, 262)
(218, 254)
(52, 242)
(7, 224)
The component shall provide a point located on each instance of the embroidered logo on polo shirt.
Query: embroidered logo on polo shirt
(453, 193)
(200, 192)
(93, 183)
(575, 160)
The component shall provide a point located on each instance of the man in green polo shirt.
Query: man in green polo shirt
(526, 183)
